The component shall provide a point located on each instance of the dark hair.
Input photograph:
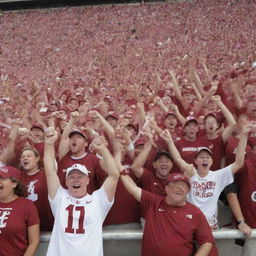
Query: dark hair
(36, 153)
(31, 149)
(19, 189)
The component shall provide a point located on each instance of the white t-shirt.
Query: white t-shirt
(77, 229)
(205, 192)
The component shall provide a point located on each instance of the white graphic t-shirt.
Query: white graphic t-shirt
(205, 191)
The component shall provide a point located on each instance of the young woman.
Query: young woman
(34, 180)
(19, 221)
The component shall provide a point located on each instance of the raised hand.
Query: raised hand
(166, 135)
(50, 135)
(98, 144)
(75, 114)
(216, 98)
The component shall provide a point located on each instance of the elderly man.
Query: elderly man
(172, 224)
(78, 215)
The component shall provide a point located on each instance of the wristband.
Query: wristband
(130, 147)
(240, 222)
(125, 172)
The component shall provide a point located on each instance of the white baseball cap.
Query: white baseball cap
(77, 167)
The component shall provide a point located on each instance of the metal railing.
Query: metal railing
(137, 235)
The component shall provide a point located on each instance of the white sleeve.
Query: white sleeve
(56, 200)
(105, 205)
(225, 176)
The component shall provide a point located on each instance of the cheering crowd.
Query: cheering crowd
(175, 145)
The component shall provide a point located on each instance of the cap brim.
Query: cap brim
(77, 132)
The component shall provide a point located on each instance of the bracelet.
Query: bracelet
(125, 172)
(240, 222)
(130, 147)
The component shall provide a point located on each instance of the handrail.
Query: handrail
(137, 234)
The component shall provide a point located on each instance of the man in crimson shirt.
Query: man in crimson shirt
(172, 224)
(190, 143)
(73, 150)
(241, 197)
(153, 180)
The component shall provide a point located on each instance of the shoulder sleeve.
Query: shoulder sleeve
(57, 198)
(203, 233)
(146, 174)
(148, 200)
(231, 188)
(32, 217)
(105, 205)
(225, 176)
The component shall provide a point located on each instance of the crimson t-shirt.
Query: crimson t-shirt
(172, 229)
(188, 149)
(217, 147)
(246, 180)
(90, 161)
(15, 218)
(36, 191)
(150, 182)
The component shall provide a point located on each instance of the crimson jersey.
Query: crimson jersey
(150, 182)
(188, 149)
(90, 161)
(36, 191)
(231, 148)
(125, 208)
(217, 146)
(15, 218)
(246, 180)
(172, 229)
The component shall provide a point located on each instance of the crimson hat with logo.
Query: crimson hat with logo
(178, 177)
(9, 172)
(77, 131)
(77, 167)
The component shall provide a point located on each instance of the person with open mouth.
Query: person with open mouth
(19, 221)
(78, 215)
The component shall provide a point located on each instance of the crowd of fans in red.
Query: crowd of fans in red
(117, 82)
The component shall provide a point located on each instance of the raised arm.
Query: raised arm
(109, 165)
(128, 182)
(180, 117)
(140, 160)
(198, 82)
(8, 152)
(235, 88)
(229, 117)
(158, 101)
(241, 148)
(196, 91)
(52, 178)
(64, 141)
(187, 169)
(106, 125)
(176, 87)
(206, 98)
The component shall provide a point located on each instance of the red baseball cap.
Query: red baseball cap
(190, 119)
(178, 177)
(171, 113)
(252, 98)
(113, 115)
(37, 125)
(9, 171)
(77, 131)
(140, 141)
(203, 149)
